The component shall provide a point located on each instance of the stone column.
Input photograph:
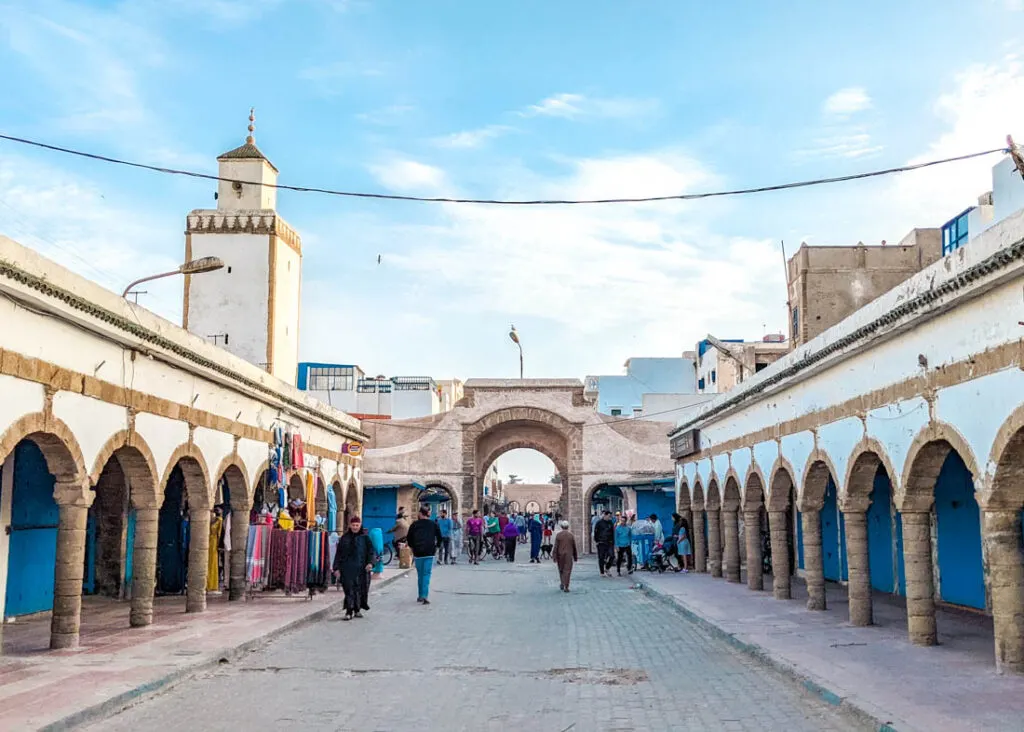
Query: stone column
(198, 559)
(1001, 534)
(144, 566)
(859, 586)
(917, 561)
(814, 569)
(73, 501)
(714, 543)
(755, 570)
(700, 563)
(732, 544)
(236, 562)
(780, 555)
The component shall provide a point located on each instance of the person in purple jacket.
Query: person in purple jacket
(511, 534)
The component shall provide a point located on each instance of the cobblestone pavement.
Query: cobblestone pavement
(498, 648)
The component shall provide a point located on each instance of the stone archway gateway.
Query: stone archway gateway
(497, 415)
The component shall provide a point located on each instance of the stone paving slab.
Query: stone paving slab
(116, 664)
(499, 648)
(874, 670)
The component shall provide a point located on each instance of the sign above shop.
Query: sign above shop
(685, 443)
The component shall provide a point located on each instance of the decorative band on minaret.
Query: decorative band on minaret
(251, 139)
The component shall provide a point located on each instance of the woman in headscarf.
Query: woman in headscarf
(536, 529)
(353, 561)
(565, 554)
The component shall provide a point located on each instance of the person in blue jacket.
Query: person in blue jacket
(536, 529)
(623, 546)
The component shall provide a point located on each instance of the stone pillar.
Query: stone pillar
(700, 563)
(755, 570)
(1001, 534)
(144, 566)
(814, 569)
(917, 561)
(73, 501)
(859, 586)
(198, 559)
(236, 562)
(731, 528)
(714, 543)
(780, 555)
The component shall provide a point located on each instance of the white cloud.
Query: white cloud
(408, 175)
(573, 106)
(472, 138)
(599, 269)
(68, 219)
(847, 101)
(841, 142)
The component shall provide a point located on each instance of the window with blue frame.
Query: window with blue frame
(700, 384)
(954, 233)
(713, 376)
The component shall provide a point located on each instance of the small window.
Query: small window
(229, 270)
(700, 384)
(616, 412)
(638, 411)
(760, 367)
(796, 323)
(714, 376)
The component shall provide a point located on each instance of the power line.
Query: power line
(497, 202)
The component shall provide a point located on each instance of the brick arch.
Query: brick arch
(450, 490)
(927, 453)
(753, 491)
(53, 438)
(865, 458)
(713, 497)
(811, 492)
(782, 483)
(683, 497)
(1005, 463)
(559, 460)
(232, 468)
(731, 490)
(754, 472)
(138, 466)
(197, 475)
(697, 496)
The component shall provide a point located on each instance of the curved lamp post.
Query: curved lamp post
(194, 266)
(515, 339)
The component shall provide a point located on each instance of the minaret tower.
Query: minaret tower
(251, 306)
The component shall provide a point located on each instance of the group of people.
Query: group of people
(615, 537)
(499, 534)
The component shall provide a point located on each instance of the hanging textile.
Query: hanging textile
(212, 565)
(310, 498)
(226, 543)
(286, 452)
(332, 510)
(298, 460)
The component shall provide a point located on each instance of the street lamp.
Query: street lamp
(515, 339)
(194, 266)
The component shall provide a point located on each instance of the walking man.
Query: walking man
(565, 554)
(604, 536)
(444, 525)
(475, 532)
(623, 546)
(353, 561)
(424, 537)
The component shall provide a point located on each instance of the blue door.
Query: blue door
(32, 551)
(961, 576)
(380, 506)
(880, 544)
(831, 535)
(172, 538)
(662, 503)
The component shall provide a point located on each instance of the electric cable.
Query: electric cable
(499, 202)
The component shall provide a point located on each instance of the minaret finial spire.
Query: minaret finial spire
(251, 139)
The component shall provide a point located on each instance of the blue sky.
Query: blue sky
(532, 98)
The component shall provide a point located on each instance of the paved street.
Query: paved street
(499, 648)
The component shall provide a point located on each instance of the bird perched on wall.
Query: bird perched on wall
(922, 360)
